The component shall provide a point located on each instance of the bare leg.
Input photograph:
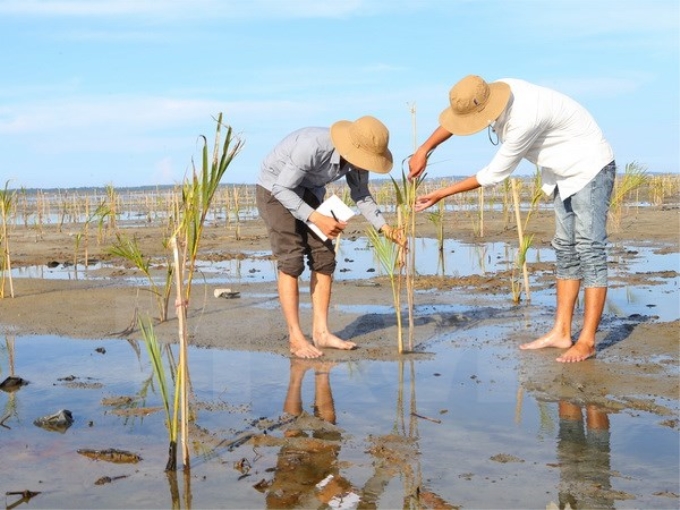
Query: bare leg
(569, 411)
(320, 287)
(324, 407)
(293, 403)
(584, 347)
(289, 295)
(596, 418)
(560, 335)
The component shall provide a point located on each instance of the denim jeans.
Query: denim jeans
(580, 240)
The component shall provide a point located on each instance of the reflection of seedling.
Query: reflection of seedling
(437, 218)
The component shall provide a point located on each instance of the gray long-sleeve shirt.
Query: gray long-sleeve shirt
(307, 159)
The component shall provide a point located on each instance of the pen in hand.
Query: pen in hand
(334, 216)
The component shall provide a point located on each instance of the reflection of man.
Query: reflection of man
(307, 474)
(584, 457)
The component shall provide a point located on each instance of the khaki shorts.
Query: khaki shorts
(291, 240)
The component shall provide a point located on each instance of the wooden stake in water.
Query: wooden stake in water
(182, 387)
(520, 234)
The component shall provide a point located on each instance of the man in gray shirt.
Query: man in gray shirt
(291, 185)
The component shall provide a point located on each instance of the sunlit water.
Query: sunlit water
(356, 261)
(458, 415)
(472, 415)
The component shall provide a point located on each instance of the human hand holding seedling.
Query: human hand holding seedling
(396, 235)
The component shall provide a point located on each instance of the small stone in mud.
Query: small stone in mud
(57, 422)
(505, 458)
(107, 479)
(12, 383)
(111, 455)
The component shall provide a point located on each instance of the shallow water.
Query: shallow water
(480, 441)
(454, 422)
(356, 262)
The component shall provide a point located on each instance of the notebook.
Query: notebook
(331, 206)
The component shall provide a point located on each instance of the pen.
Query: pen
(334, 216)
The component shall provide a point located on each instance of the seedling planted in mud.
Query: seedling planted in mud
(388, 254)
(7, 199)
(196, 200)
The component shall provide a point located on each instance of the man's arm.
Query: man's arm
(418, 160)
(425, 201)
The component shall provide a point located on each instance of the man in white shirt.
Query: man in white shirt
(291, 185)
(577, 165)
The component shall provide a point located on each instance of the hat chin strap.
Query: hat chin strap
(489, 129)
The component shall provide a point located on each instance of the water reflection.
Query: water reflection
(307, 472)
(370, 435)
(583, 454)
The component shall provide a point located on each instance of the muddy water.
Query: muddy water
(452, 426)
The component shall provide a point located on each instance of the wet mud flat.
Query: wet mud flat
(466, 420)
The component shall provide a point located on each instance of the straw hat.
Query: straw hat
(363, 143)
(474, 105)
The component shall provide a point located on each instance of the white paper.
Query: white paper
(331, 206)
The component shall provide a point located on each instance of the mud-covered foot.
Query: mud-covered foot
(579, 352)
(550, 340)
(330, 341)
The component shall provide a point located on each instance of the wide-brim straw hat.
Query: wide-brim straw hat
(474, 104)
(363, 143)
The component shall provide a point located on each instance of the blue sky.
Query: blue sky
(98, 92)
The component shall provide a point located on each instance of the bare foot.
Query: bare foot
(552, 339)
(330, 341)
(579, 352)
(303, 349)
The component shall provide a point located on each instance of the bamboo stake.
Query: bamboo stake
(481, 212)
(181, 306)
(411, 266)
(520, 234)
(6, 203)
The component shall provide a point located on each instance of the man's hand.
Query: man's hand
(329, 226)
(396, 235)
(425, 201)
(416, 164)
